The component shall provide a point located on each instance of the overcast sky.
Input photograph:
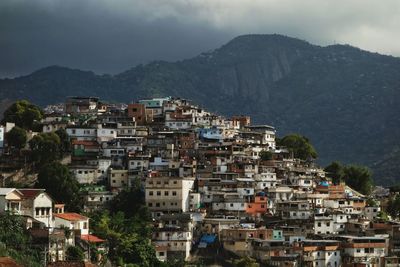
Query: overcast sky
(109, 36)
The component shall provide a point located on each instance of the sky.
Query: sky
(110, 36)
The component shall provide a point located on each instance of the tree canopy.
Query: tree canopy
(15, 241)
(266, 155)
(16, 137)
(24, 114)
(74, 253)
(299, 145)
(127, 227)
(393, 206)
(65, 142)
(46, 148)
(59, 183)
(357, 177)
(335, 171)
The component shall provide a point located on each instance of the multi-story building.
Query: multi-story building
(168, 194)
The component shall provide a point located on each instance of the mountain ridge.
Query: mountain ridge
(343, 98)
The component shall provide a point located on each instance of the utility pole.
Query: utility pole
(45, 256)
(89, 246)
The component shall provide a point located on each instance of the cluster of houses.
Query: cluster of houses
(211, 183)
(51, 228)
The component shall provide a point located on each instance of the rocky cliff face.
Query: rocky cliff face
(344, 99)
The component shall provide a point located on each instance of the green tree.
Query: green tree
(299, 145)
(59, 183)
(65, 142)
(128, 238)
(359, 178)
(127, 228)
(24, 114)
(266, 155)
(15, 240)
(383, 215)
(74, 254)
(335, 171)
(372, 202)
(16, 137)
(46, 148)
(14, 235)
(393, 206)
(246, 262)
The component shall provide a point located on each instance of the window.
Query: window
(158, 193)
(174, 193)
(161, 253)
(166, 193)
(85, 225)
(150, 193)
(369, 250)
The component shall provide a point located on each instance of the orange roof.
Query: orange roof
(92, 239)
(71, 216)
(8, 262)
(30, 193)
(85, 142)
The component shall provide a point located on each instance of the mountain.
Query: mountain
(345, 100)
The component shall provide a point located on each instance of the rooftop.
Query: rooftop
(71, 216)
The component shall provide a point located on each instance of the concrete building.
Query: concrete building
(168, 194)
(36, 203)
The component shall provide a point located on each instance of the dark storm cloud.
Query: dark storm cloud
(91, 37)
(109, 36)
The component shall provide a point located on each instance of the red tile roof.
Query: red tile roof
(30, 193)
(85, 142)
(92, 239)
(8, 262)
(71, 216)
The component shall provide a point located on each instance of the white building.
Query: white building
(36, 203)
(82, 133)
(10, 200)
(168, 194)
(371, 213)
(72, 221)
